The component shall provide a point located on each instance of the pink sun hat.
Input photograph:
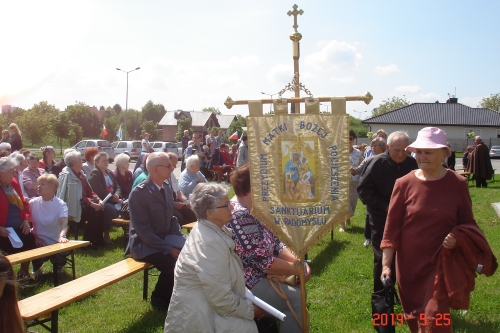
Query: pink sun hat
(430, 138)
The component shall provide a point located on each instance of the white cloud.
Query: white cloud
(473, 102)
(247, 61)
(347, 79)
(281, 74)
(335, 55)
(427, 98)
(386, 70)
(408, 89)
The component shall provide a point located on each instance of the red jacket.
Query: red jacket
(456, 269)
(4, 204)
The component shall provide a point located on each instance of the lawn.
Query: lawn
(338, 292)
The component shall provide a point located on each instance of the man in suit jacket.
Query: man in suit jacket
(155, 235)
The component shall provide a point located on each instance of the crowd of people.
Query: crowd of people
(204, 277)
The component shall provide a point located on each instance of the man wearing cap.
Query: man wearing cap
(375, 190)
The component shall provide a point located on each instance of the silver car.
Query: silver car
(131, 148)
(171, 147)
(101, 145)
(495, 151)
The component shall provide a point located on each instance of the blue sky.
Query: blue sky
(193, 54)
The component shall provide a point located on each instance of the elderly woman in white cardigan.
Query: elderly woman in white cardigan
(209, 289)
(83, 203)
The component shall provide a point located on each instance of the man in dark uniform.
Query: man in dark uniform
(375, 190)
(155, 235)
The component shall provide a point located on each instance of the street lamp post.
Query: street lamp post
(126, 100)
(360, 112)
(271, 95)
(327, 106)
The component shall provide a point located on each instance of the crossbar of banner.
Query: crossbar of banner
(367, 98)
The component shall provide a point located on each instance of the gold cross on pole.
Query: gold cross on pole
(295, 12)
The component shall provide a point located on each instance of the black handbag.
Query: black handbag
(383, 308)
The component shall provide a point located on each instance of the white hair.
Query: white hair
(71, 157)
(121, 159)
(206, 196)
(18, 157)
(191, 160)
(394, 136)
(7, 163)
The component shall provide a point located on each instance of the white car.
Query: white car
(101, 145)
(171, 147)
(495, 152)
(131, 148)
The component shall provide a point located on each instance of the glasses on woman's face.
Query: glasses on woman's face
(229, 205)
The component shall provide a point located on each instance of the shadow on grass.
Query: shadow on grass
(148, 322)
(322, 260)
(460, 324)
(354, 229)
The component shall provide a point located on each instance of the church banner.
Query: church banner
(299, 174)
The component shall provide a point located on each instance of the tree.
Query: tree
(35, 123)
(150, 127)
(134, 119)
(117, 108)
(75, 134)
(237, 126)
(80, 114)
(61, 126)
(359, 128)
(112, 125)
(183, 124)
(153, 112)
(390, 104)
(492, 102)
(212, 109)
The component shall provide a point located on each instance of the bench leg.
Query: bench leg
(54, 324)
(73, 264)
(56, 275)
(145, 285)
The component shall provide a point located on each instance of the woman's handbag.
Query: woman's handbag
(383, 307)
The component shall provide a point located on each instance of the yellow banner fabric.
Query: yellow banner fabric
(299, 175)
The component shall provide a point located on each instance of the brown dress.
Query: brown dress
(421, 214)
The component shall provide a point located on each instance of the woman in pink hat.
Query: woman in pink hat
(421, 215)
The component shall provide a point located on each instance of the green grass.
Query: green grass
(338, 292)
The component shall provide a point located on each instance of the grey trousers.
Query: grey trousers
(265, 292)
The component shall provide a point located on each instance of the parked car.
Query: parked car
(102, 145)
(172, 147)
(495, 151)
(131, 148)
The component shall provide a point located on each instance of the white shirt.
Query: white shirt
(144, 142)
(174, 183)
(45, 217)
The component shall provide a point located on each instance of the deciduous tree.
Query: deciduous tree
(79, 113)
(212, 109)
(390, 104)
(492, 102)
(183, 124)
(153, 112)
(150, 127)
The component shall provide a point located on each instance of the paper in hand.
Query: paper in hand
(107, 197)
(14, 238)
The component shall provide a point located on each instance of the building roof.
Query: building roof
(95, 111)
(225, 120)
(439, 114)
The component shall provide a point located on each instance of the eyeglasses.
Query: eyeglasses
(351, 138)
(230, 205)
(165, 165)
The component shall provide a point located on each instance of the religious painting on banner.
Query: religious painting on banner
(299, 175)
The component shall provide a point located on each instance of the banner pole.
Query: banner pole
(303, 297)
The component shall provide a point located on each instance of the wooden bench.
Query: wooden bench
(47, 251)
(189, 226)
(121, 221)
(466, 175)
(48, 303)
